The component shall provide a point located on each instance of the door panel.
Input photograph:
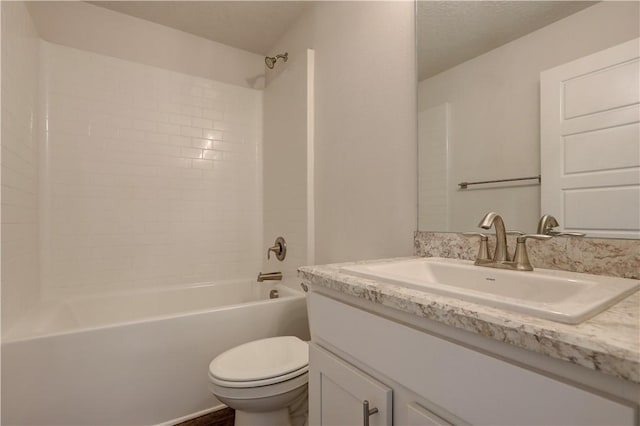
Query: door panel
(590, 143)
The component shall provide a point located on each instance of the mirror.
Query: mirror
(479, 66)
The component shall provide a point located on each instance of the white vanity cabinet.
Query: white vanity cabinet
(340, 390)
(417, 378)
(345, 395)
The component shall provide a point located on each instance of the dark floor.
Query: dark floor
(224, 417)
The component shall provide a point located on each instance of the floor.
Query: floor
(224, 417)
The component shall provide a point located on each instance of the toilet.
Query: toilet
(265, 381)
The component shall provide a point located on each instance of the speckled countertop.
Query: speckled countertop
(608, 342)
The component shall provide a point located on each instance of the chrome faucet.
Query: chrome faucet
(501, 254)
(494, 219)
(269, 276)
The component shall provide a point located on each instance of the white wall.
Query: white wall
(285, 163)
(495, 117)
(20, 271)
(152, 176)
(365, 126)
(95, 29)
(433, 175)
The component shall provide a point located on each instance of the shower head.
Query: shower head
(270, 61)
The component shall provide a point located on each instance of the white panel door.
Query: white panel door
(337, 391)
(590, 142)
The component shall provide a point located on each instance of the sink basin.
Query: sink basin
(566, 297)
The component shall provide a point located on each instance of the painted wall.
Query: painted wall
(433, 175)
(151, 176)
(494, 128)
(20, 265)
(285, 149)
(365, 126)
(95, 29)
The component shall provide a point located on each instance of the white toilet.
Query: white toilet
(265, 381)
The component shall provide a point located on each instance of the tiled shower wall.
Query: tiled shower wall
(151, 177)
(19, 162)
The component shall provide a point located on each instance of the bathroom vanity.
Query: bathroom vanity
(386, 354)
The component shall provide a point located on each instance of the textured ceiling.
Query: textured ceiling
(254, 26)
(451, 32)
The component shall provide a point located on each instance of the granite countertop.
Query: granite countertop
(608, 342)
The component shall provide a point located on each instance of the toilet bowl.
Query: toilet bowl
(265, 381)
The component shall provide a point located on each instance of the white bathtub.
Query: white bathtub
(136, 358)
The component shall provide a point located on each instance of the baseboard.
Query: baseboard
(192, 416)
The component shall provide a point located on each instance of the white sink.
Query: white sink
(561, 296)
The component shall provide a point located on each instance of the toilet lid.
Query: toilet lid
(261, 359)
(293, 375)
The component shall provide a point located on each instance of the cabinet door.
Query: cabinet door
(338, 391)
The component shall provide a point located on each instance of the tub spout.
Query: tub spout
(269, 276)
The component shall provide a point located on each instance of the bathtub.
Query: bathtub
(136, 358)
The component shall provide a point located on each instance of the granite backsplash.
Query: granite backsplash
(599, 256)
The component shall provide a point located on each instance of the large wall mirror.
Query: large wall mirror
(482, 68)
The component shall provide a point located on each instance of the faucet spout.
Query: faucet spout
(269, 276)
(494, 219)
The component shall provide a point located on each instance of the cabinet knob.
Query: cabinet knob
(367, 412)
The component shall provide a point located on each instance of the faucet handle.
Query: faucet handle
(483, 250)
(524, 237)
(521, 257)
(279, 248)
(548, 222)
(565, 234)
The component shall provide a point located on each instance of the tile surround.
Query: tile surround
(152, 177)
(612, 257)
(20, 207)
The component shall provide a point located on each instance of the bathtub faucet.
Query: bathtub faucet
(269, 276)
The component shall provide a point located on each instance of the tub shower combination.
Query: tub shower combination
(62, 365)
(125, 181)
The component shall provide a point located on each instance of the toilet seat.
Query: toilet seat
(257, 383)
(257, 392)
(260, 363)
